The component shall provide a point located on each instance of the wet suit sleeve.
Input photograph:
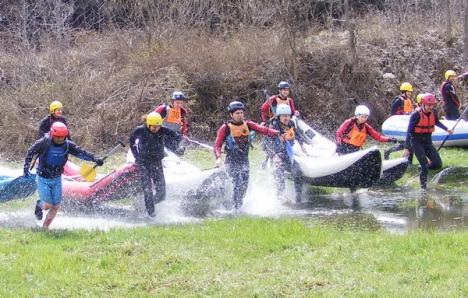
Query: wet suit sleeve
(414, 119)
(220, 136)
(438, 123)
(395, 107)
(184, 130)
(375, 135)
(161, 109)
(265, 108)
(170, 139)
(43, 127)
(132, 142)
(75, 150)
(262, 129)
(292, 105)
(36, 149)
(341, 130)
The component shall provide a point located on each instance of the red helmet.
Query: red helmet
(429, 99)
(58, 129)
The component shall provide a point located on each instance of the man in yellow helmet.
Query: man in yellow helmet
(402, 104)
(55, 115)
(147, 143)
(449, 95)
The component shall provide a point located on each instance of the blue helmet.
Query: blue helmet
(235, 105)
(283, 85)
(177, 95)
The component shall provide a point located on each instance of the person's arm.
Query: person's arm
(414, 119)
(341, 130)
(34, 150)
(395, 107)
(77, 151)
(375, 135)
(161, 109)
(220, 136)
(438, 123)
(265, 108)
(185, 127)
(132, 142)
(292, 105)
(170, 139)
(262, 129)
(43, 127)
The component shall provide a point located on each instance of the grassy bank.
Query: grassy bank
(237, 257)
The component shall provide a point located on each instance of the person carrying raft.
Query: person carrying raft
(282, 147)
(53, 150)
(419, 137)
(174, 115)
(147, 144)
(402, 104)
(450, 99)
(236, 134)
(351, 135)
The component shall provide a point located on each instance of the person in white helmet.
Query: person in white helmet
(282, 147)
(351, 135)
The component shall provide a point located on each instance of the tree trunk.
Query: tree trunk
(449, 34)
(465, 48)
(351, 26)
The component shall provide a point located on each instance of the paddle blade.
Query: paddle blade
(18, 188)
(87, 172)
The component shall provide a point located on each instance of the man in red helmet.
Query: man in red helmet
(419, 137)
(52, 151)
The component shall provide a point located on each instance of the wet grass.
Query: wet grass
(232, 258)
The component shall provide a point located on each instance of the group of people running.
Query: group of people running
(167, 125)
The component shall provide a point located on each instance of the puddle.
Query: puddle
(397, 210)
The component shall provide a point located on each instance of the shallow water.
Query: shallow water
(397, 209)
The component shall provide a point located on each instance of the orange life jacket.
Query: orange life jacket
(407, 106)
(238, 131)
(173, 119)
(356, 136)
(426, 123)
(289, 134)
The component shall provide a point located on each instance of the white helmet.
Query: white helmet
(362, 110)
(283, 109)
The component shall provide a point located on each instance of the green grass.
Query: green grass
(232, 258)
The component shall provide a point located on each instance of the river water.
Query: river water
(396, 209)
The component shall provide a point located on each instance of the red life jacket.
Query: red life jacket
(406, 107)
(426, 123)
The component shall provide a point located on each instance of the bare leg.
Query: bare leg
(50, 216)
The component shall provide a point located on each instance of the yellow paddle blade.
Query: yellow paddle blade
(87, 172)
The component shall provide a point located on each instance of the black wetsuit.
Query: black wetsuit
(148, 153)
(46, 123)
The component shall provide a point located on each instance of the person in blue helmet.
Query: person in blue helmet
(235, 133)
(52, 150)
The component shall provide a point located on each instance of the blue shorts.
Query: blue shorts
(50, 190)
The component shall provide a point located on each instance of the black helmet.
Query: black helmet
(283, 85)
(177, 95)
(235, 105)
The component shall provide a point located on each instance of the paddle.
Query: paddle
(453, 128)
(88, 172)
(199, 143)
(18, 188)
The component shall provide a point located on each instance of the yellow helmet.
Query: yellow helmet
(55, 105)
(153, 118)
(406, 87)
(449, 73)
(419, 97)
